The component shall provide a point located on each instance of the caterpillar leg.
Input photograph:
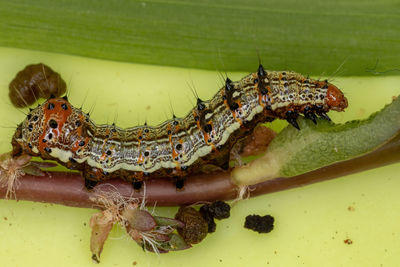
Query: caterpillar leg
(179, 183)
(291, 117)
(137, 184)
(90, 184)
(92, 176)
(309, 114)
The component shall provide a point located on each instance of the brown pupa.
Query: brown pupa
(33, 82)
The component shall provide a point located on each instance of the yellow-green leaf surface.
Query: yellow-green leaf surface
(311, 36)
(311, 223)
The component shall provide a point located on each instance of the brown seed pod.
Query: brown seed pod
(33, 82)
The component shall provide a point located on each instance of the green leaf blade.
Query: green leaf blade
(310, 36)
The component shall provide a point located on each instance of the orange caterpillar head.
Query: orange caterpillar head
(335, 98)
(42, 126)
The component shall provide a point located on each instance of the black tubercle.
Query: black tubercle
(229, 90)
(53, 124)
(291, 117)
(234, 106)
(65, 98)
(202, 117)
(207, 128)
(178, 147)
(261, 72)
(52, 96)
(200, 104)
(228, 85)
(263, 91)
(325, 85)
(50, 106)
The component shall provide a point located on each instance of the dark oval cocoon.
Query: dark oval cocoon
(33, 82)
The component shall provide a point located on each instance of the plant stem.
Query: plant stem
(68, 188)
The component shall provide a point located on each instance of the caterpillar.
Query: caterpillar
(33, 82)
(58, 131)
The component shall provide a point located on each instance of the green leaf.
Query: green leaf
(311, 36)
(295, 152)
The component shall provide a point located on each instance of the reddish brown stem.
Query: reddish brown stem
(68, 188)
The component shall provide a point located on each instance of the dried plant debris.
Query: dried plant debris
(195, 229)
(218, 210)
(209, 218)
(12, 168)
(152, 233)
(260, 224)
(257, 142)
